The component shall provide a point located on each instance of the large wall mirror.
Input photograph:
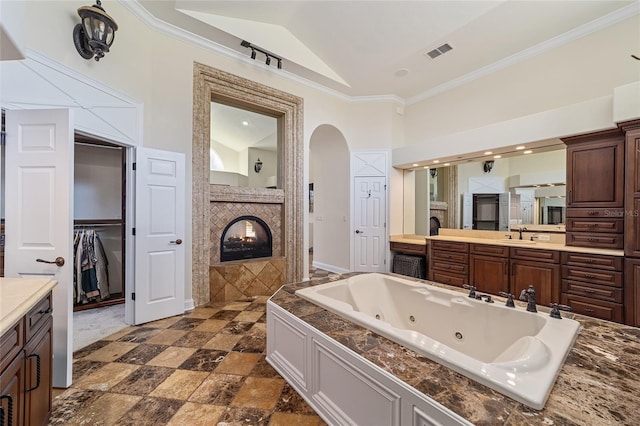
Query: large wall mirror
(244, 147)
(491, 194)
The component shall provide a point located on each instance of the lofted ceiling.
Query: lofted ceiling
(380, 48)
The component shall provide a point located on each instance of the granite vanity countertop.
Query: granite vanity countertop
(537, 244)
(18, 296)
(599, 384)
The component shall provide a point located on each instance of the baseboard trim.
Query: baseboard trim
(189, 305)
(330, 268)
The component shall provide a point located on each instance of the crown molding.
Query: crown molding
(596, 25)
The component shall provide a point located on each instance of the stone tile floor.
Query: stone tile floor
(205, 367)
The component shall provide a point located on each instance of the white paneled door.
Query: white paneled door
(38, 215)
(369, 226)
(160, 235)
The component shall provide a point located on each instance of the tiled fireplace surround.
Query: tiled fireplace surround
(239, 279)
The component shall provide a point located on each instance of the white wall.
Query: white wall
(269, 167)
(330, 158)
(230, 158)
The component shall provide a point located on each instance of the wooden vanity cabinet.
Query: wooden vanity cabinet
(537, 267)
(26, 370)
(449, 262)
(595, 189)
(489, 268)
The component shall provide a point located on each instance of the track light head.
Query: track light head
(279, 63)
(253, 53)
(268, 60)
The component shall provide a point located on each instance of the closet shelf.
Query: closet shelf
(86, 222)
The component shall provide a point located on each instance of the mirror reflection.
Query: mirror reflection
(490, 194)
(244, 147)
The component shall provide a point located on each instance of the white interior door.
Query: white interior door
(370, 226)
(160, 235)
(39, 182)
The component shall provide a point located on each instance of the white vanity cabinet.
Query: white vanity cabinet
(343, 387)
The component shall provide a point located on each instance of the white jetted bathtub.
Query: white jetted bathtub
(515, 352)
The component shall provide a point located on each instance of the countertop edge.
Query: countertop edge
(8, 320)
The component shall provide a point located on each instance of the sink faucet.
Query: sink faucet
(529, 296)
(520, 230)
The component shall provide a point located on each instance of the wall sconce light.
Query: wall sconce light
(94, 36)
(257, 166)
(268, 56)
(433, 173)
(487, 166)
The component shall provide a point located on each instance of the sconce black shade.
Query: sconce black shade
(487, 166)
(433, 173)
(94, 35)
(257, 166)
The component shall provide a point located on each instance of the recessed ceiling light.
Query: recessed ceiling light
(436, 161)
(527, 151)
(245, 123)
(518, 148)
(488, 153)
(497, 156)
(415, 164)
(550, 184)
(447, 164)
(402, 72)
(425, 167)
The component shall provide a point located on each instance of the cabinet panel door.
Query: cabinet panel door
(595, 173)
(489, 274)
(38, 383)
(12, 391)
(632, 292)
(545, 279)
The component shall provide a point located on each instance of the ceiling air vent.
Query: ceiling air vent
(439, 51)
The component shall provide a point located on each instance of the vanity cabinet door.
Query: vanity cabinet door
(595, 170)
(544, 277)
(38, 376)
(489, 274)
(12, 392)
(632, 292)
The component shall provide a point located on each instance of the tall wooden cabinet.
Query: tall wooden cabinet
(632, 223)
(595, 189)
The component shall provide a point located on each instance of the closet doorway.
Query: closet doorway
(99, 222)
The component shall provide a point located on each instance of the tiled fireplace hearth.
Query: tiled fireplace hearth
(241, 278)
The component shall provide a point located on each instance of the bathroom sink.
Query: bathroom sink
(516, 242)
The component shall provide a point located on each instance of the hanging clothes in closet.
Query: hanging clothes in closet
(91, 279)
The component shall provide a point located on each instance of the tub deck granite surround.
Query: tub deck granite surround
(599, 384)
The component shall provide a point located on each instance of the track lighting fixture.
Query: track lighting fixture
(268, 56)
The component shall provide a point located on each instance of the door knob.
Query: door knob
(358, 231)
(178, 241)
(59, 261)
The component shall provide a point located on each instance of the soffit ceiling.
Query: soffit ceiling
(377, 48)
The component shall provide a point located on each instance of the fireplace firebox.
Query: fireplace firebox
(245, 237)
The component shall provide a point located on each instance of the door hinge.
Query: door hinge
(385, 225)
(385, 262)
(133, 231)
(133, 296)
(385, 186)
(134, 166)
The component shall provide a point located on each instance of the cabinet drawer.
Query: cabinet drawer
(609, 294)
(588, 239)
(593, 276)
(408, 248)
(548, 256)
(11, 342)
(460, 268)
(437, 245)
(488, 249)
(592, 261)
(614, 213)
(450, 256)
(593, 308)
(37, 316)
(450, 278)
(595, 225)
